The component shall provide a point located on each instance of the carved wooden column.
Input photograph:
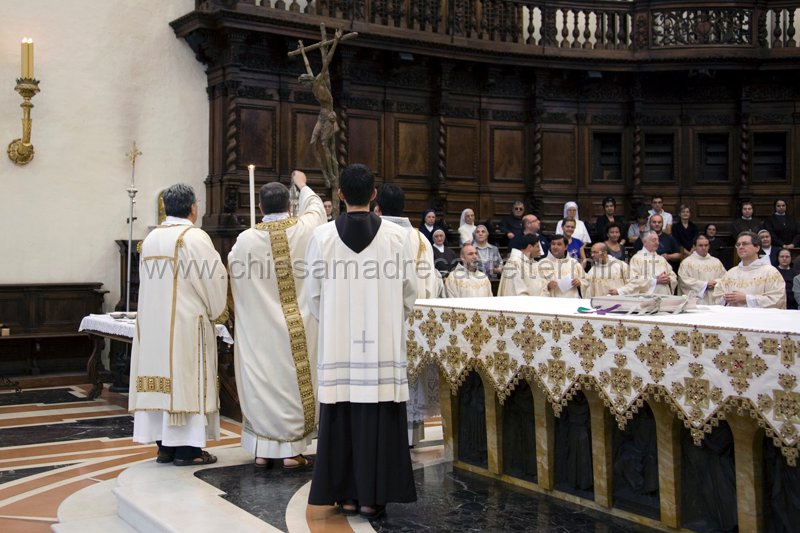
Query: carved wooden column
(747, 445)
(668, 435)
(545, 438)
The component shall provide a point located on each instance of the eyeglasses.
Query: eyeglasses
(518, 209)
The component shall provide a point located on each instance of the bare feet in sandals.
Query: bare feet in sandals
(297, 461)
(205, 458)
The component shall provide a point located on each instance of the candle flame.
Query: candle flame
(251, 167)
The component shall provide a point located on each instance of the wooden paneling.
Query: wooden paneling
(412, 150)
(463, 151)
(558, 158)
(366, 146)
(303, 122)
(258, 138)
(507, 153)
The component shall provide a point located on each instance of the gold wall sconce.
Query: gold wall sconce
(20, 151)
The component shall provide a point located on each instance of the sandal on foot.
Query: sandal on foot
(204, 459)
(348, 507)
(371, 513)
(301, 461)
(263, 462)
(165, 457)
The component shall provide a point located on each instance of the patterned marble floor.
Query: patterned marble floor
(54, 443)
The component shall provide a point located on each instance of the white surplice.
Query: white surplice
(461, 283)
(274, 376)
(521, 277)
(760, 281)
(357, 297)
(553, 269)
(173, 379)
(604, 277)
(695, 272)
(645, 268)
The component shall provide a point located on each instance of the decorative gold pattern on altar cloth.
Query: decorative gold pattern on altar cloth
(740, 363)
(528, 340)
(556, 327)
(477, 334)
(154, 384)
(656, 354)
(621, 333)
(501, 322)
(454, 318)
(701, 371)
(587, 346)
(291, 313)
(696, 341)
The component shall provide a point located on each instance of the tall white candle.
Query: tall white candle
(252, 169)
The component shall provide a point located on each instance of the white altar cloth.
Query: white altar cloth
(703, 361)
(126, 327)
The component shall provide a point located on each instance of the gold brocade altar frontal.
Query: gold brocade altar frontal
(695, 361)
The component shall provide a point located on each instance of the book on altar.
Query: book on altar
(643, 304)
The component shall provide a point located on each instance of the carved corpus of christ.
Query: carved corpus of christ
(323, 138)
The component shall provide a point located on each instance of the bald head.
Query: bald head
(599, 253)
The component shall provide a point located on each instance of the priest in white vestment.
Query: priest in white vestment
(275, 337)
(649, 272)
(754, 282)
(423, 389)
(607, 273)
(700, 272)
(182, 293)
(466, 281)
(361, 286)
(565, 276)
(521, 273)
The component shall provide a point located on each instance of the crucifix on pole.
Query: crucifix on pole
(323, 138)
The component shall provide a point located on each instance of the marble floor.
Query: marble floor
(55, 445)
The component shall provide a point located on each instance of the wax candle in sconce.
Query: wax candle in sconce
(252, 170)
(21, 151)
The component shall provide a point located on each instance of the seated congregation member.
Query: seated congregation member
(650, 273)
(581, 233)
(574, 245)
(429, 224)
(746, 222)
(754, 282)
(783, 227)
(714, 244)
(521, 276)
(638, 227)
(788, 274)
(512, 223)
(684, 231)
(559, 268)
(615, 247)
(466, 226)
(466, 281)
(668, 247)
(489, 260)
(767, 249)
(657, 208)
(444, 258)
(608, 217)
(700, 272)
(273, 373)
(607, 272)
(531, 225)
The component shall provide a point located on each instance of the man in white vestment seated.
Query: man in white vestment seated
(521, 275)
(564, 275)
(183, 290)
(466, 281)
(423, 401)
(649, 272)
(607, 272)
(361, 286)
(754, 282)
(700, 272)
(275, 350)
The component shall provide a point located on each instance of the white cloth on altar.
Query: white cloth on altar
(274, 418)
(760, 281)
(461, 283)
(174, 355)
(694, 274)
(361, 351)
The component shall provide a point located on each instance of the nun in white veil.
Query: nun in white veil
(466, 226)
(581, 233)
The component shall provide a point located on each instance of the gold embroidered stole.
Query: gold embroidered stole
(291, 313)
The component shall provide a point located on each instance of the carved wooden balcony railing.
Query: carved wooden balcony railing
(618, 30)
